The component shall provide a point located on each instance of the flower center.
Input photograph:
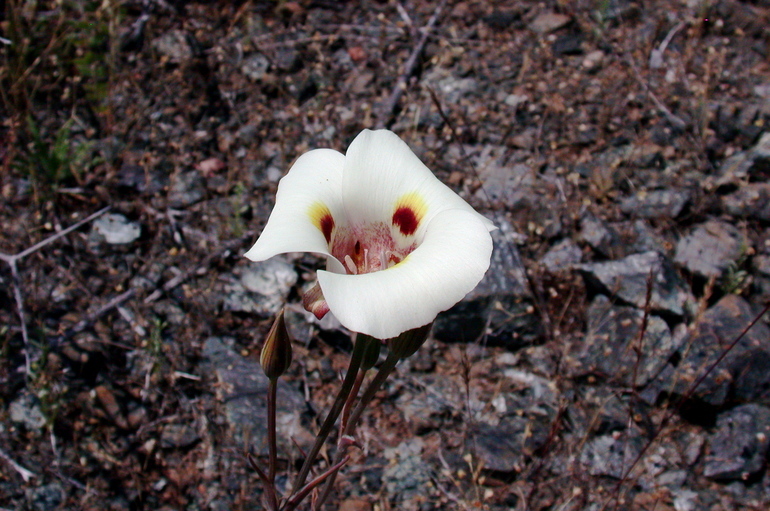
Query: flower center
(369, 248)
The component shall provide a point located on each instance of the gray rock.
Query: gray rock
(562, 256)
(612, 347)
(499, 308)
(599, 236)
(611, 455)
(506, 186)
(750, 200)
(174, 47)
(48, 497)
(260, 288)
(742, 372)
(427, 408)
(739, 444)
(548, 22)
(629, 278)
(25, 410)
(521, 424)
(738, 168)
(242, 389)
(656, 203)
(255, 66)
(187, 188)
(646, 239)
(407, 476)
(449, 87)
(710, 248)
(115, 229)
(178, 436)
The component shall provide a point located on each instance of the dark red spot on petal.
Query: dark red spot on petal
(327, 224)
(406, 220)
(357, 248)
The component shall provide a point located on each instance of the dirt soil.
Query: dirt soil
(181, 116)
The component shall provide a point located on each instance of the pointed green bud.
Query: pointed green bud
(276, 353)
(371, 351)
(407, 344)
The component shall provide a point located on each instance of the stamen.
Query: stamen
(350, 264)
(366, 260)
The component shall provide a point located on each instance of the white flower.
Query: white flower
(400, 245)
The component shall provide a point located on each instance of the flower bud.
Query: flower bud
(276, 353)
(407, 344)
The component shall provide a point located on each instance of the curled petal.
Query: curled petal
(308, 207)
(447, 265)
(384, 180)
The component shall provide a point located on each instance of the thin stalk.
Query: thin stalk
(334, 412)
(351, 398)
(382, 374)
(271, 433)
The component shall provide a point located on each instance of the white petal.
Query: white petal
(381, 171)
(314, 182)
(452, 259)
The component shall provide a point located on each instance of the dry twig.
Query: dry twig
(390, 105)
(16, 281)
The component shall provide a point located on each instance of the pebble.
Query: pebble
(116, 229)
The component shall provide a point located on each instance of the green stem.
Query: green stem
(334, 413)
(387, 367)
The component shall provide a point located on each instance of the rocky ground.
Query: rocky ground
(605, 362)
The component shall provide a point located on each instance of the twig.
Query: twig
(37, 246)
(168, 286)
(16, 280)
(390, 105)
(23, 472)
(674, 120)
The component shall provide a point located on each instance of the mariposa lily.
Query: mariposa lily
(400, 245)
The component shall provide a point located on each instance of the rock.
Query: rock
(744, 165)
(600, 237)
(646, 239)
(562, 256)
(355, 505)
(750, 200)
(449, 87)
(739, 445)
(255, 67)
(710, 248)
(656, 204)
(407, 476)
(438, 398)
(500, 20)
(507, 187)
(173, 47)
(178, 436)
(261, 288)
(520, 425)
(48, 497)
(242, 388)
(187, 188)
(611, 455)
(114, 229)
(613, 349)
(548, 22)
(628, 280)
(499, 307)
(740, 373)
(568, 44)
(25, 410)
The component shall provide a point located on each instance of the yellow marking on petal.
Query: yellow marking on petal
(408, 212)
(322, 218)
